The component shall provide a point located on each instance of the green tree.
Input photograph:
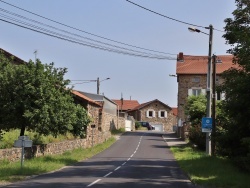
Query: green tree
(34, 97)
(236, 84)
(196, 109)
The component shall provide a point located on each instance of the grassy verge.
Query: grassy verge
(11, 171)
(209, 171)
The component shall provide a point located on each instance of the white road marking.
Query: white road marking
(124, 163)
(117, 168)
(94, 182)
(107, 174)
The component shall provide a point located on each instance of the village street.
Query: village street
(137, 159)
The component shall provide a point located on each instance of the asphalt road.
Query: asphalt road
(137, 159)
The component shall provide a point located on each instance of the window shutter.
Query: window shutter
(147, 113)
(203, 91)
(165, 114)
(153, 113)
(223, 96)
(159, 114)
(190, 92)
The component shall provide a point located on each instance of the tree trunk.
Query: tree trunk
(22, 130)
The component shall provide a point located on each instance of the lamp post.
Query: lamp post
(98, 84)
(209, 78)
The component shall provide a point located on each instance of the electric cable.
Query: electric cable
(84, 31)
(20, 16)
(93, 46)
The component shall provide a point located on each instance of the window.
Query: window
(196, 91)
(162, 114)
(220, 96)
(150, 113)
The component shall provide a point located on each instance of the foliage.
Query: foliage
(117, 131)
(137, 125)
(9, 137)
(34, 97)
(208, 171)
(236, 84)
(11, 171)
(196, 109)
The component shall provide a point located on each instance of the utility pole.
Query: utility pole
(98, 85)
(209, 77)
(213, 108)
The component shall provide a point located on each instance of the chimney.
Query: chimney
(180, 57)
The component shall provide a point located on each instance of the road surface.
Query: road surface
(137, 159)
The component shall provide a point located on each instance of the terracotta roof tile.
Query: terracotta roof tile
(198, 64)
(127, 104)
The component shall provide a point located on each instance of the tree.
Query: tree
(196, 109)
(236, 84)
(34, 97)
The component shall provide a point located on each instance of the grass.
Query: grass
(11, 171)
(209, 171)
(118, 131)
(9, 137)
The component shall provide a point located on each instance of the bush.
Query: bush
(137, 125)
(197, 137)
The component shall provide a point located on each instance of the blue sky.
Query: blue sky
(142, 79)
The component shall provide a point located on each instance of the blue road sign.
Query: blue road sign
(207, 124)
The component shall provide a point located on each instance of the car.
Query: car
(147, 125)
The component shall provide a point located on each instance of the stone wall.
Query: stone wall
(94, 136)
(166, 122)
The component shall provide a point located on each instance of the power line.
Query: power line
(89, 45)
(40, 23)
(164, 15)
(169, 17)
(85, 31)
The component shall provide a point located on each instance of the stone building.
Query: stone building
(191, 74)
(155, 112)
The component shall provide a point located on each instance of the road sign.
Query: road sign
(206, 125)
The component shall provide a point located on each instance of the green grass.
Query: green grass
(11, 171)
(209, 171)
(9, 137)
(118, 131)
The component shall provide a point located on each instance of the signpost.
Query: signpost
(206, 125)
(23, 142)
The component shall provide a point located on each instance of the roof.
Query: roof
(77, 93)
(189, 64)
(96, 97)
(148, 103)
(16, 60)
(127, 104)
(175, 111)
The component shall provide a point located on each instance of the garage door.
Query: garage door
(158, 127)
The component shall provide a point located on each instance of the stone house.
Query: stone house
(109, 119)
(191, 74)
(155, 112)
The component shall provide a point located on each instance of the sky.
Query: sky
(93, 21)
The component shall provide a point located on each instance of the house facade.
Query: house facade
(155, 112)
(191, 74)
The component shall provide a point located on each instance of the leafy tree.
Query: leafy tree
(34, 97)
(236, 84)
(196, 109)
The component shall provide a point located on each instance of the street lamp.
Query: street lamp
(98, 84)
(209, 77)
